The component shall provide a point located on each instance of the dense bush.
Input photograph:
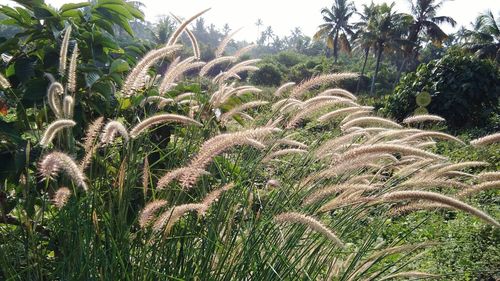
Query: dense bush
(268, 75)
(463, 89)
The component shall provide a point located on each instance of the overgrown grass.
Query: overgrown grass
(238, 233)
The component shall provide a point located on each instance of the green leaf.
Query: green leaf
(119, 65)
(24, 69)
(119, 9)
(125, 103)
(44, 12)
(91, 78)
(73, 6)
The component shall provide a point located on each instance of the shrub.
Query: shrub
(463, 89)
(267, 75)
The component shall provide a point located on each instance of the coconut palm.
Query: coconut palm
(364, 39)
(425, 24)
(484, 39)
(389, 29)
(336, 27)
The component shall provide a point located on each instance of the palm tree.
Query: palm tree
(388, 29)
(336, 27)
(364, 39)
(484, 39)
(425, 23)
(259, 23)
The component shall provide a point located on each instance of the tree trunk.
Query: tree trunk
(400, 70)
(367, 50)
(377, 67)
(336, 46)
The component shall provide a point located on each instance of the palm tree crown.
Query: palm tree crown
(336, 28)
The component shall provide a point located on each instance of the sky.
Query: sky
(285, 15)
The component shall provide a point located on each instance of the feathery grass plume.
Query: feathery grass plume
(391, 134)
(168, 219)
(488, 176)
(416, 206)
(410, 169)
(72, 70)
(360, 162)
(255, 143)
(355, 115)
(338, 92)
(175, 70)
(184, 96)
(429, 183)
(145, 176)
(364, 179)
(89, 141)
(161, 118)
(333, 189)
(192, 38)
(234, 68)
(479, 187)
(222, 45)
(283, 88)
(162, 102)
(345, 198)
(432, 134)
(172, 75)
(438, 198)
(279, 104)
(206, 68)
(307, 110)
(147, 214)
(369, 121)
(216, 146)
(175, 35)
(53, 162)
(332, 144)
(290, 142)
(63, 52)
(386, 148)
(61, 197)
(369, 130)
(300, 89)
(226, 116)
(321, 99)
(233, 72)
(136, 78)
(54, 91)
(68, 106)
(244, 50)
(189, 102)
(408, 274)
(111, 129)
(339, 112)
(294, 217)
(4, 83)
(487, 140)
(456, 174)
(53, 129)
(213, 197)
(245, 116)
(167, 178)
(287, 151)
(457, 166)
(247, 90)
(423, 118)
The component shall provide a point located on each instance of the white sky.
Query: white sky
(285, 15)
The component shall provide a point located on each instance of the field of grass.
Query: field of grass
(202, 177)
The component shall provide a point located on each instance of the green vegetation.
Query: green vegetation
(464, 90)
(129, 157)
